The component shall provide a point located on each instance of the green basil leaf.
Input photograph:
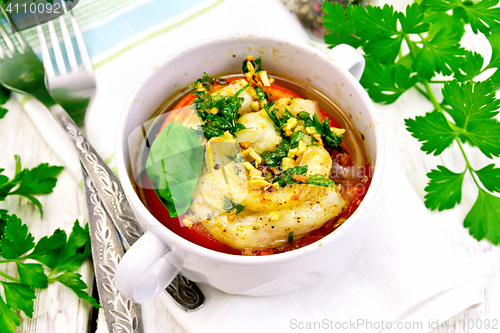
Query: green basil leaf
(174, 166)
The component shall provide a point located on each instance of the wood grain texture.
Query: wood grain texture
(57, 308)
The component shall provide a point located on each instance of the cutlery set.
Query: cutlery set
(112, 223)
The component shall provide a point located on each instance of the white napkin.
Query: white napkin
(406, 275)
(404, 272)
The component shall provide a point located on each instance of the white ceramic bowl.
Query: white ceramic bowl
(254, 275)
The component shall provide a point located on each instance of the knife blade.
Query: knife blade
(122, 315)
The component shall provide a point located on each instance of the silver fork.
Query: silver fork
(73, 89)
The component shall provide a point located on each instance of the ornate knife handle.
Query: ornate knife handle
(113, 199)
(105, 181)
(122, 315)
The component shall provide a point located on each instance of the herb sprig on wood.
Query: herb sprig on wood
(417, 49)
(29, 182)
(53, 258)
(58, 254)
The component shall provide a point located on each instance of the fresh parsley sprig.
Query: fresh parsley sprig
(58, 254)
(431, 31)
(29, 182)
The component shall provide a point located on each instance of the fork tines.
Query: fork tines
(12, 44)
(58, 55)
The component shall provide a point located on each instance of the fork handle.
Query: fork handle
(108, 187)
(106, 182)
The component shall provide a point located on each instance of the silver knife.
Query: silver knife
(183, 291)
(122, 315)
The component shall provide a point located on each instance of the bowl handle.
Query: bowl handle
(146, 269)
(349, 58)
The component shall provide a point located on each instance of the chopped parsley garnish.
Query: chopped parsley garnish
(273, 158)
(229, 206)
(287, 178)
(295, 138)
(227, 113)
(261, 95)
(331, 139)
(207, 82)
(257, 65)
(290, 238)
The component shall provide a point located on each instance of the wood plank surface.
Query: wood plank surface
(57, 308)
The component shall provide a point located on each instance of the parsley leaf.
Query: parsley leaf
(332, 140)
(229, 206)
(470, 67)
(29, 182)
(74, 282)
(72, 253)
(32, 274)
(290, 238)
(385, 83)
(3, 221)
(279, 123)
(3, 112)
(441, 20)
(494, 39)
(4, 95)
(39, 180)
(470, 103)
(444, 190)
(440, 53)
(382, 24)
(19, 297)
(490, 177)
(486, 136)
(414, 20)
(261, 95)
(341, 25)
(483, 220)
(8, 318)
(16, 240)
(482, 15)
(432, 129)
